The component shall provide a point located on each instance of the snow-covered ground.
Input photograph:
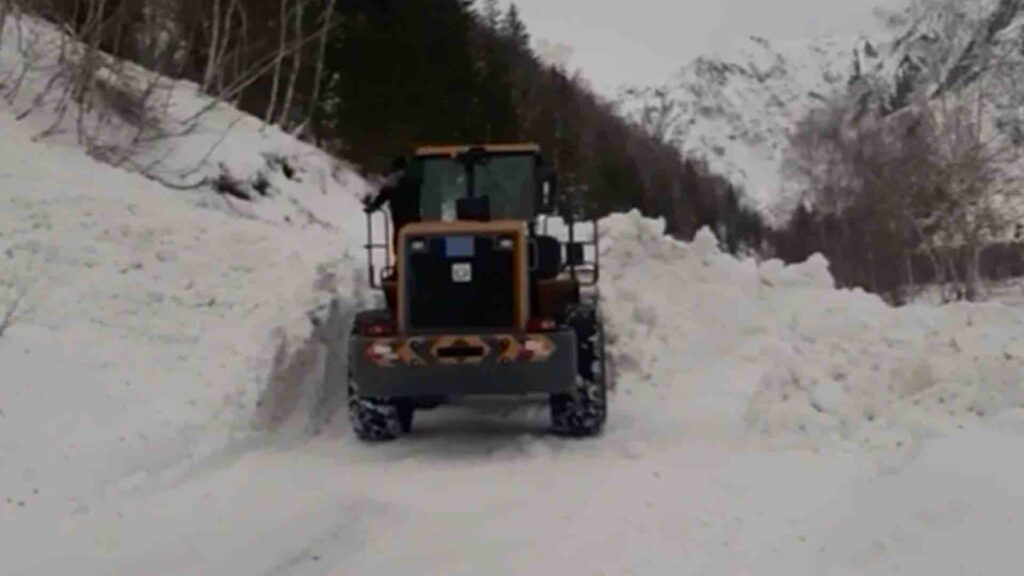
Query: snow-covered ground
(1009, 292)
(160, 392)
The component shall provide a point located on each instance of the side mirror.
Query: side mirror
(548, 201)
(545, 257)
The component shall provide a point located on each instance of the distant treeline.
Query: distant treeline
(860, 255)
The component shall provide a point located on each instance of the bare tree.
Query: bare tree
(110, 96)
(214, 53)
(296, 64)
(327, 19)
(972, 178)
(278, 61)
(865, 179)
(818, 158)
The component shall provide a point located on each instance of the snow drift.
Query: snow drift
(778, 350)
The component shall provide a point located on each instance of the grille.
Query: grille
(460, 282)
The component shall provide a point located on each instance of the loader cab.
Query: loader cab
(496, 182)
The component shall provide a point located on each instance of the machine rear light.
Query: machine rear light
(381, 353)
(541, 325)
(378, 328)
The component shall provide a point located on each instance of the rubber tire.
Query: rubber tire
(372, 419)
(584, 411)
(406, 411)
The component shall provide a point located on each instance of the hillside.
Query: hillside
(149, 322)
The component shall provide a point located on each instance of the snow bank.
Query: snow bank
(150, 329)
(160, 326)
(777, 350)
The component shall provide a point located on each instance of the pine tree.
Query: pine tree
(514, 29)
(497, 103)
(416, 83)
(802, 234)
(491, 14)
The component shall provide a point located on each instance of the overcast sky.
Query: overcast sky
(617, 42)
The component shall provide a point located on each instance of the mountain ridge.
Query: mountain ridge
(735, 108)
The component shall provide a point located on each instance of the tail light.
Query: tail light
(382, 353)
(541, 325)
(378, 328)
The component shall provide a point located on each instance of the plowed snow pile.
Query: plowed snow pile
(160, 379)
(779, 351)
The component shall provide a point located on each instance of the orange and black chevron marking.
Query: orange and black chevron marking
(509, 348)
(452, 350)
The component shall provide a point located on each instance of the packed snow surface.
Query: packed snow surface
(163, 413)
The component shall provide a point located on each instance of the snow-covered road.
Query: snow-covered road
(472, 494)
(468, 494)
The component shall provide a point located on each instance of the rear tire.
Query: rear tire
(373, 419)
(406, 410)
(584, 410)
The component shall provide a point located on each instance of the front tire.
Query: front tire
(373, 419)
(583, 411)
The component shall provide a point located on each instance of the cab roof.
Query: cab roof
(455, 150)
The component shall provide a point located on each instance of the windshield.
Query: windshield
(508, 180)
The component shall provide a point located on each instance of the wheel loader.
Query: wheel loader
(480, 297)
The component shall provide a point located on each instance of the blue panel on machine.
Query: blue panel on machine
(459, 246)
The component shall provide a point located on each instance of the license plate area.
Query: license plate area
(459, 352)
